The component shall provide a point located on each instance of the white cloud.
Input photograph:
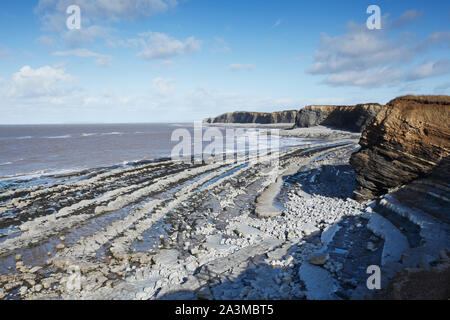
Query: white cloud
(156, 45)
(49, 95)
(44, 81)
(404, 19)
(96, 17)
(53, 12)
(47, 41)
(359, 49)
(374, 58)
(377, 77)
(220, 45)
(430, 69)
(162, 87)
(437, 39)
(241, 67)
(365, 78)
(101, 59)
(75, 38)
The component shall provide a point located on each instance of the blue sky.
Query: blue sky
(184, 60)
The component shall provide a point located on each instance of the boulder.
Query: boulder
(318, 258)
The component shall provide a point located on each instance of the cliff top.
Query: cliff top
(423, 99)
(254, 112)
(325, 107)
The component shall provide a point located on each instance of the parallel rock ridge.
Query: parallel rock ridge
(407, 140)
(353, 118)
(255, 117)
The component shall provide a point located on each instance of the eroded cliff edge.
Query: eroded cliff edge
(352, 118)
(405, 141)
(404, 165)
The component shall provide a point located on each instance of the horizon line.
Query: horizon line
(92, 123)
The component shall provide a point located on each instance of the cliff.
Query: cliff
(255, 117)
(407, 140)
(352, 118)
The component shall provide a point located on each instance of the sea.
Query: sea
(38, 150)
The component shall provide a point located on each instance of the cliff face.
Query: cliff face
(255, 117)
(407, 140)
(353, 118)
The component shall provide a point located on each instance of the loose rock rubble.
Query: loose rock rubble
(171, 230)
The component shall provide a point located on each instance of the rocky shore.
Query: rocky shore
(251, 229)
(168, 230)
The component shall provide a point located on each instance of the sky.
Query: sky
(185, 60)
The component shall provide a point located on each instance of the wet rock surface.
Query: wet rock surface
(174, 230)
(150, 230)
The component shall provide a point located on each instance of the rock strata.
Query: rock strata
(407, 140)
(353, 118)
(255, 117)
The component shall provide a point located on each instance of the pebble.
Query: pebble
(12, 285)
(318, 258)
(38, 288)
(35, 269)
(290, 235)
(289, 259)
(23, 290)
(18, 257)
(191, 267)
(60, 246)
(308, 215)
